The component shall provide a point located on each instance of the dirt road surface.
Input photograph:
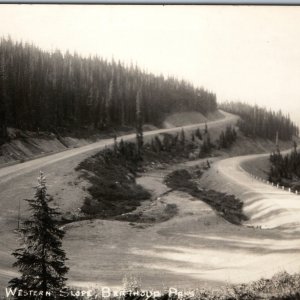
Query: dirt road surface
(11, 172)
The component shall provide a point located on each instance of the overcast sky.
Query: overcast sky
(247, 53)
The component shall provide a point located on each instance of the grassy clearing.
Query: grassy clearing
(228, 206)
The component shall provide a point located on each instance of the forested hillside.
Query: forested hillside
(285, 169)
(260, 122)
(40, 90)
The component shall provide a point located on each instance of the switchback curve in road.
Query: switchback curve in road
(212, 250)
(266, 206)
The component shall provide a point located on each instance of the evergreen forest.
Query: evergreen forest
(54, 91)
(256, 121)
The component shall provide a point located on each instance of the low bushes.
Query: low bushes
(113, 188)
(228, 206)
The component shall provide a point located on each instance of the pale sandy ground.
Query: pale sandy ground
(188, 118)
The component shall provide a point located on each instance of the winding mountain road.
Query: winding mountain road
(194, 247)
(11, 172)
(16, 184)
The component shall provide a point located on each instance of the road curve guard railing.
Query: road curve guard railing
(278, 186)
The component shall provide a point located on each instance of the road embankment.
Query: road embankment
(265, 205)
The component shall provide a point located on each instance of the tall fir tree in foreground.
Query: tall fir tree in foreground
(206, 146)
(41, 259)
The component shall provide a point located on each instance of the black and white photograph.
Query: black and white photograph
(149, 152)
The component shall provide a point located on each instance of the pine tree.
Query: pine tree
(193, 137)
(108, 100)
(158, 144)
(115, 144)
(277, 143)
(222, 140)
(198, 134)
(206, 137)
(295, 146)
(175, 141)
(205, 128)
(3, 100)
(234, 133)
(182, 138)
(228, 135)
(152, 146)
(227, 138)
(121, 147)
(204, 149)
(139, 126)
(41, 259)
(206, 146)
(167, 142)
